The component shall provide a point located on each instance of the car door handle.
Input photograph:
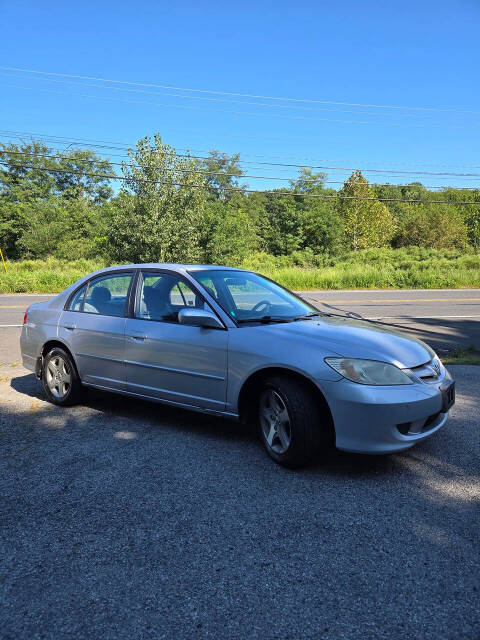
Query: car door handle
(138, 336)
(70, 327)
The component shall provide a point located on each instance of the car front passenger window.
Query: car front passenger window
(161, 297)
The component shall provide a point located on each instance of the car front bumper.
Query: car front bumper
(373, 420)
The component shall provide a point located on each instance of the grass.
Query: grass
(410, 268)
(43, 276)
(406, 268)
(470, 355)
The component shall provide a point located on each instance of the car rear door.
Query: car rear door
(168, 360)
(93, 325)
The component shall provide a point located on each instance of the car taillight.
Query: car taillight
(25, 315)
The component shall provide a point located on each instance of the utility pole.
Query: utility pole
(3, 260)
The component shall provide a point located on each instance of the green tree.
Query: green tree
(322, 226)
(163, 221)
(438, 226)
(32, 170)
(32, 176)
(366, 221)
(254, 205)
(221, 174)
(11, 227)
(231, 234)
(57, 227)
(283, 231)
(308, 182)
(469, 212)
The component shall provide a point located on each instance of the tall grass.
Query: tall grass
(43, 276)
(410, 267)
(404, 268)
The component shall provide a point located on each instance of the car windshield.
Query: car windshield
(248, 297)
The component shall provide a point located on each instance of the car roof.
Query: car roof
(171, 266)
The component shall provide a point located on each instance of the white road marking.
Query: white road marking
(365, 317)
(392, 300)
(417, 317)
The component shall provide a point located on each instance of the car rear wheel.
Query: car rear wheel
(60, 379)
(292, 426)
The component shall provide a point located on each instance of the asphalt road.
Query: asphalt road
(12, 309)
(445, 319)
(123, 519)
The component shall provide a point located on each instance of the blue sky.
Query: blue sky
(415, 54)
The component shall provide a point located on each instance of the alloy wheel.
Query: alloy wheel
(275, 421)
(58, 377)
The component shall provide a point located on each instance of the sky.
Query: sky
(328, 58)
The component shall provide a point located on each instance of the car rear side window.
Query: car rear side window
(76, 302)
(107, 295)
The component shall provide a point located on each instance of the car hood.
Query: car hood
(358, 339)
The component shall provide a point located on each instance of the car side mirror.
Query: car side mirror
(199, 318)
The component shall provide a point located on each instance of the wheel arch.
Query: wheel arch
(51, 344)
(251, 387)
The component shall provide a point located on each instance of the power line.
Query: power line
(305, 166)
(205, 172)
(235, 94)
(205, 187)
(222, 100)
(231, 111)
(125, 146)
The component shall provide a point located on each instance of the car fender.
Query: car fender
(253, 349)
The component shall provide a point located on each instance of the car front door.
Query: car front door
(168, 360)
(93, 326)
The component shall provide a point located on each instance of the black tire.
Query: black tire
(64, 394)
(310, 427)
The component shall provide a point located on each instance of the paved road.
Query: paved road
(12, 308)
(122, 519)
(444, 318)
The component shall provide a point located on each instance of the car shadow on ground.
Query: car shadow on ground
(117, 406)
(128, 412)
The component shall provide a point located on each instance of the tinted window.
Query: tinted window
(107, 295)
(161, 296)
(77, 301)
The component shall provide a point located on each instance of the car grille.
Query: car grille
(429, 372)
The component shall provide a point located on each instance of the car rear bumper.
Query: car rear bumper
(383, 419)
(29, 362)
(30, 359)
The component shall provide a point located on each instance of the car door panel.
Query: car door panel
(168, 360)
(176, 362)
(97, 343)
(93, 325)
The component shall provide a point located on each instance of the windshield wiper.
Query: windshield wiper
(311, 315)
(264, 319)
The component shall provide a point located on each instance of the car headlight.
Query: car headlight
(369, 371)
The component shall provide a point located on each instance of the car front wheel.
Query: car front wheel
(60, 379)
(292, 427)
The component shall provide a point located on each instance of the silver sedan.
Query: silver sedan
(233, 343)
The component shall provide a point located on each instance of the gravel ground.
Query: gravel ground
(123, 519)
